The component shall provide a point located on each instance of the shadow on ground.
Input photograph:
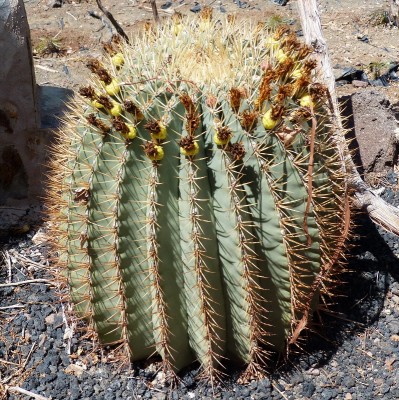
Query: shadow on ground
(53, 103)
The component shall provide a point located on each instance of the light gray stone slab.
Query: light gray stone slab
(22, 143)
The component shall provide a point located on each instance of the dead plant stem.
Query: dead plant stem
(26, 392)
(29, 281)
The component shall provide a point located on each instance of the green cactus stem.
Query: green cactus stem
(198, 200)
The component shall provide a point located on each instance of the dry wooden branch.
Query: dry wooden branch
(27, 262)
(379, 211)
(113, 21)
(26, 282)
(13, 306)
(8, 362)
(7, 259)
(154, 10)
(17, 389)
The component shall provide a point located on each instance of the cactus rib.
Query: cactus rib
(245, 331)
(205, 305)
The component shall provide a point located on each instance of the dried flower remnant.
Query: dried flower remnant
(81, 195)
(223, 134)
(153, 151)
(249, 120)
(237, 151)
(235, 99)
(189, 146)
(157, 130)
(98, 123)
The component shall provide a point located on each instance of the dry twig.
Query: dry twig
(154, 10)
(13, 306)
(29, 281)
(112, 20)
(17, 389)
(27, 261)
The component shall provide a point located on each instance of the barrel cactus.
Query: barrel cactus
(198, 198)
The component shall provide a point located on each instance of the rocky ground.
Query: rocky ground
(355, 355)
(355, 36)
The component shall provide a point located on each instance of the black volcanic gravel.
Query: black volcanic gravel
(355, 355)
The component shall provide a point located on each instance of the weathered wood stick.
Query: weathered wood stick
(379, 211)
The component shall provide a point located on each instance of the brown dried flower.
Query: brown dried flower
(81, 195)
(120, 125)
(105, 101)
(235, 99)
(237, 151)
(130, 107)
(96, 122)
(187, 143)
(87, 91)
(248, 120)
(277, 111)
(153, 127)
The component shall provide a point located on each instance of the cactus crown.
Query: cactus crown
(198, 198)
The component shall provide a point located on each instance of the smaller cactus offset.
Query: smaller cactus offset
(198, 196)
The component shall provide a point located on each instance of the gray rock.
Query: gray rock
(308, 389)
(371, 119)
(22, 142)
(394, 327)
(54, 3)
(357, 83)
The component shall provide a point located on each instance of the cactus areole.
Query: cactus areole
(198, 197)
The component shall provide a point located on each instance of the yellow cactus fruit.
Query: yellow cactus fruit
(267, 120)
(271, 43)
(153, 151)
(132, 132)
(306, 101)
(204, 25)
(96, 104)
(116, 109)
(158, 155)
(218, 141)
(222, 135)
(177, 28)
(118, 60)
(205, 21)
(113, 88)
(281, 56)
(297, 73)
(161, 135)
(190, 152)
